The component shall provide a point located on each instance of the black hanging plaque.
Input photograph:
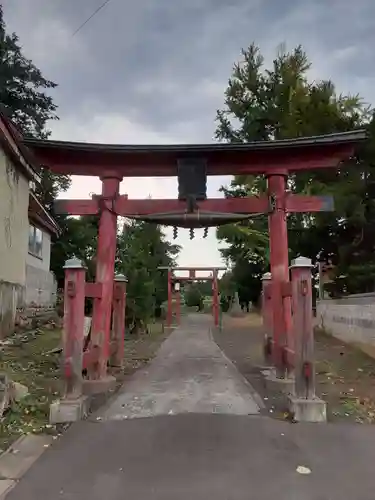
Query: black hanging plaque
(192, 179)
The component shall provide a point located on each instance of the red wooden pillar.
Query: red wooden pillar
(118, 321)
(267, 314)
(105, 264)
(177, 289)
(215, 298)
(281, 306)
(169, 311)
(303, 328)
(303, 403)
(73, 331)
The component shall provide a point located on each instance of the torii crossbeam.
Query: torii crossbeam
(192, 163)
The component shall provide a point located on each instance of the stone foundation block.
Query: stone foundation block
(101, 385)
(285, 384)
(308, 410)
(68, 410)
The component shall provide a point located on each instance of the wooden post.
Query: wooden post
(177, 290)
(169, 311)
(74, 405)
(267, 315)
(281, 305)
(215, 298)
(118, 321)
(105, 264)
(73, 332)
(303, 328)
(304, 406)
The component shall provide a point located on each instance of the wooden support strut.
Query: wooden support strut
(267, 315)
(118, 322)
(178, 302)
(215, 297)
(73, 337)
(169, 311)
(303, 328)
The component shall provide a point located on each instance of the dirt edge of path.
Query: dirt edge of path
(345, 375)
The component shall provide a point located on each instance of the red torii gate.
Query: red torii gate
(112, 163)
(172, 279)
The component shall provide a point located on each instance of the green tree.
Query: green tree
(193, 296)
(280, 102)
(25, 99)
(79, 236)
(142, 249)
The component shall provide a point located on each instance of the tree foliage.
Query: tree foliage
(193, 295)
(141, 250)
(281, 102)
(25, 99)
(78, 238)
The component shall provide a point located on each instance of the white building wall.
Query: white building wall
(41, 286)
(14, 202)
(14, 225)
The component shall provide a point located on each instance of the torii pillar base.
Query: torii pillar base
(65, 410)
(284, 384)
(105, 384)
(307, 410)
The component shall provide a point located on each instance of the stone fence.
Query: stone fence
(41, 288)
(351, 319)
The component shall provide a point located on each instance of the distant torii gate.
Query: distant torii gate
(173, 279)
(191, 164)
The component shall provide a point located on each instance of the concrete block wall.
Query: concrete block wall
(41, 287)
(351, 319)
(11, 298)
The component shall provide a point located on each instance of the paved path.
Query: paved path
(185, 456)
(190, 374)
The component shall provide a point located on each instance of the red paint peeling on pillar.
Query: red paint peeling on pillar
(105, 263)
(278, 235)
(73, 330)
(169, 311)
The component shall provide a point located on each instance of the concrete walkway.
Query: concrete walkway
(190, 374)
(227, 456)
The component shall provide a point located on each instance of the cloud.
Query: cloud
(156, 72)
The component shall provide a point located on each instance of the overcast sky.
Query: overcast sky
(155, 71)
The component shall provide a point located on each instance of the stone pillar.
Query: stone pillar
(303, 404)
(118, 321)
(73, 406)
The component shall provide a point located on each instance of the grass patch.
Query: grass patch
(28, 362)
